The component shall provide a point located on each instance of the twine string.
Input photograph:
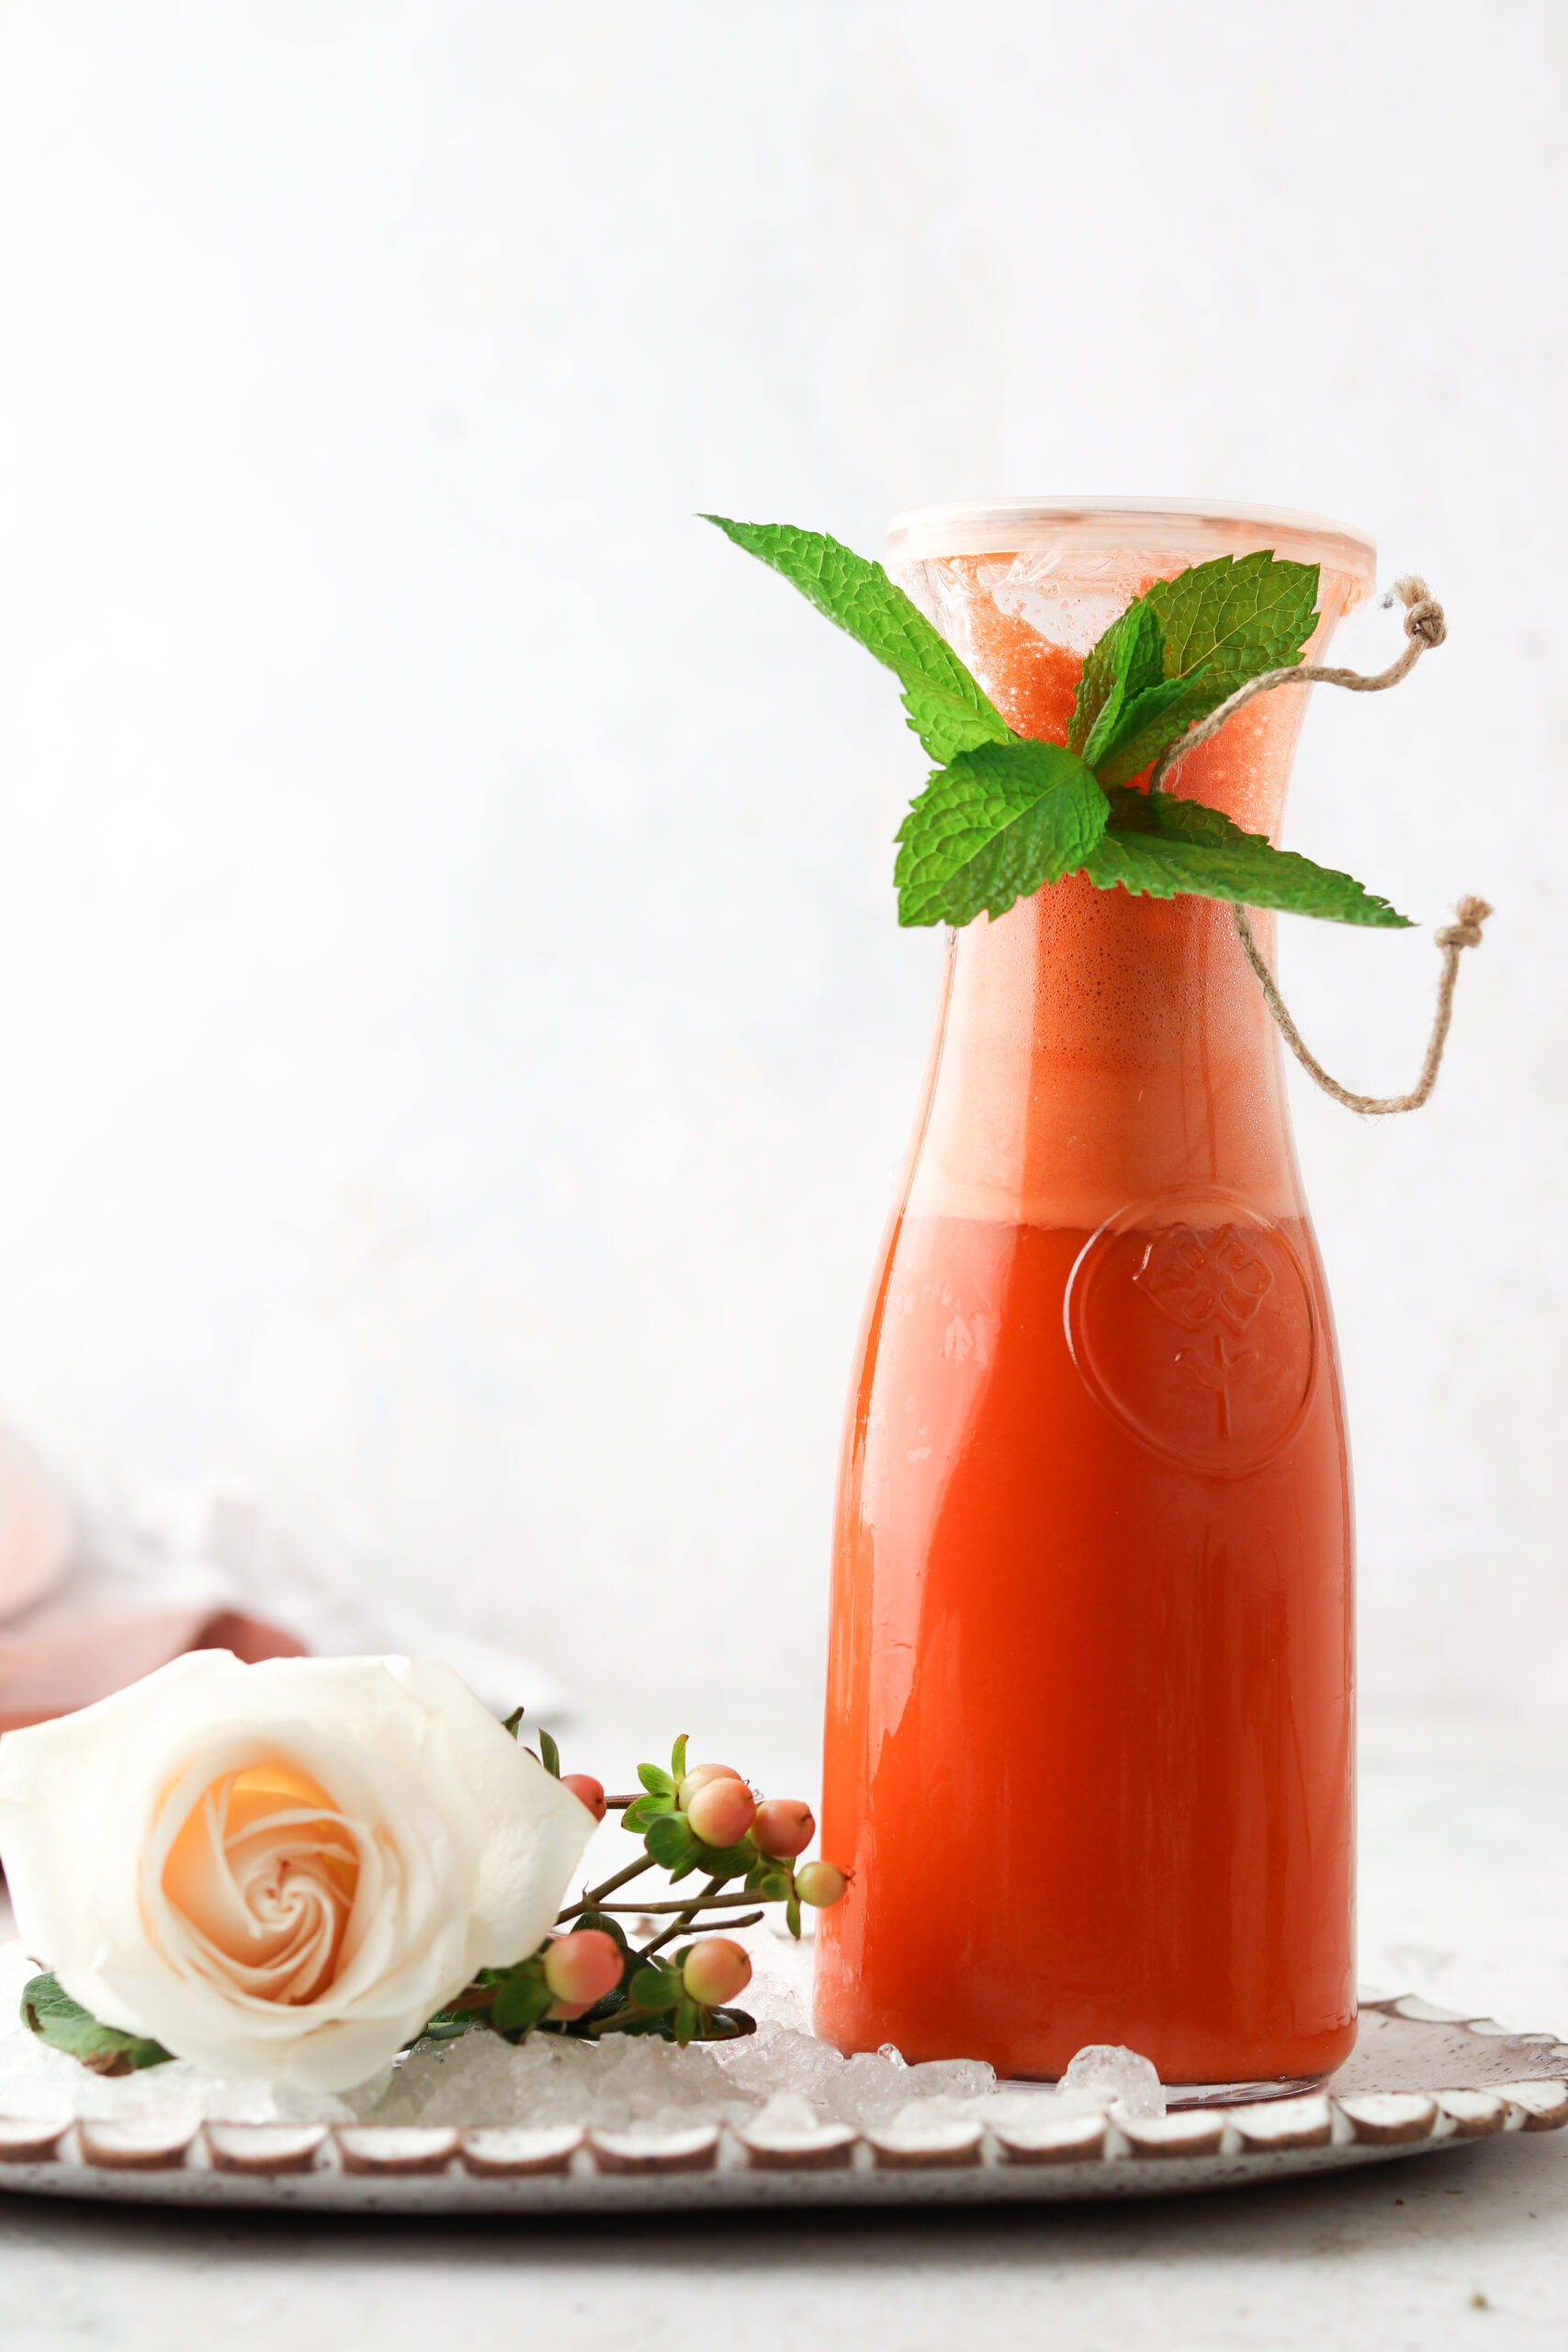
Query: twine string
(1453, 939)
(1424, 628)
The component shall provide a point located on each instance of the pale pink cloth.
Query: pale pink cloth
(64, 1639)
(54, 1674)
(100, 1586)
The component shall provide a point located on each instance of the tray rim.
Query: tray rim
(450, 2171)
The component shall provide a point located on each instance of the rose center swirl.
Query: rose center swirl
(263, 1874)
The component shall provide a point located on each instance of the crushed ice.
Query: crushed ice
(782, 2071)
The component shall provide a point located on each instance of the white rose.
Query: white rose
(282, 1869)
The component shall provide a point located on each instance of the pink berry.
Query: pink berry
(715, 1971)
(784, 1827)
(582, 1968)
(698, 1778)
(821, 1885)
(722, 1812)
(587, 1791)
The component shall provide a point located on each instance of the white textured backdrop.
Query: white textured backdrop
(454, 1030)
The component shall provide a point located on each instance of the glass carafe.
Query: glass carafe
(1090, 1742)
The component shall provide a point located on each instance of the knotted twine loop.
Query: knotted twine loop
(1424, 628)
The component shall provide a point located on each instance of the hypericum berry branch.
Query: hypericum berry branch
(592, 1982)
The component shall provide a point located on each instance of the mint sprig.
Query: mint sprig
(1123, 690)
(947, 709)
(1176, 652)
(1159, 847)
(1003, 817)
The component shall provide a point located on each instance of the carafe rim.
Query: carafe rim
(1111, 525)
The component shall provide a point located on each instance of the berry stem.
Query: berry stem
(688, 1912)
(692, 1903)
(588, 1898)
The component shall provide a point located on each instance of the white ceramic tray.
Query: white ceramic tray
(1420, 2079)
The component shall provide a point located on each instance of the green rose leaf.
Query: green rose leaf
(450, 2025)
(992, 827)
(947, 709)
(657, 1783)
(49, 2012)
(1159, 847)
(642, 1810)
(677, 1759)
(549, 1755)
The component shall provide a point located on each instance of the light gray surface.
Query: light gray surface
(1465, 1863)
(1387, 2259)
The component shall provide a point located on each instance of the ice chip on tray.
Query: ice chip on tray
(1105, 2074)
(617, 2085)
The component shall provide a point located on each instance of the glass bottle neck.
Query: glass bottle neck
(1094, 1051)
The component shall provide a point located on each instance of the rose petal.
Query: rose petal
(303, 1943)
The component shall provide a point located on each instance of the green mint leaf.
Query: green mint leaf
(549, 1755)
(49, 2011)
(991, 828)
(1159, 847)
(657, 1783)
(1128, 661)
(946, 707)
(1219, 624)
(677, 1759)
(1142, 722)
(1238, 615)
